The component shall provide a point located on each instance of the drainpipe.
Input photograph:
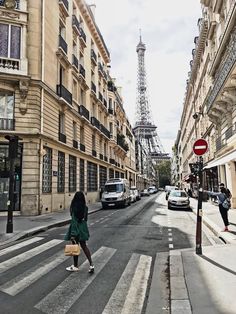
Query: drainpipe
(41, 109)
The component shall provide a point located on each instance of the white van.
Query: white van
(116, 193)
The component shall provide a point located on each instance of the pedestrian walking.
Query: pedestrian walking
(78, 230)
(224, 203)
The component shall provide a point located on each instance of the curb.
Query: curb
(33, 231)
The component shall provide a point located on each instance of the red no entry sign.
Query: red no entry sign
(200, 147)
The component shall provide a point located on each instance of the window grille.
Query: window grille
(72, 173)
(61, 172)
(122, 175)
(81, 178)
(117, 174)
(92, 177)
(102, 175)
(47, 171)
(111, 173)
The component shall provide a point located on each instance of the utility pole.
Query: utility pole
(12, 153)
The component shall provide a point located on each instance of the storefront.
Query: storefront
(4, 177)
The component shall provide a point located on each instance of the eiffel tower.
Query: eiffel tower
(149, 149)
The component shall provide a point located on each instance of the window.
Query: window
(102, 175)
(74, 131)
(92, 177)
(61, 172)
(74, 91)
(111, 173)
(81, 135)
(72, 173)
(81, 178)
(110, 103)
(17, 3)
(10, 41)
(93, 142)
(62, 75)
(105, 149)
(82, 97)
(61, 123)
(47, 171)
(6, 111)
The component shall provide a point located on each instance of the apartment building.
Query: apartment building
(209, 109)
(57, 96)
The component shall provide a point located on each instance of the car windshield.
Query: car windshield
(114, 188)
(178, 194)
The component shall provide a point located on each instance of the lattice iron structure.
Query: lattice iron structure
(149, 149)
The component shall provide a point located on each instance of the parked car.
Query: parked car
(152, 190)
(178, 199)
(132, 196)
(145, 192)
(168, 189)
(136, 192)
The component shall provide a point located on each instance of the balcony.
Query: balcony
(75, 62)
(111, 87)
(112, 161)
(13, 66)
(105, 102)
(94, 153)
(75, 144)
(100, 68)
(111, 111)
(95, 122)
(121, 142)
(64, 5)
(62, 137)
(101, 156)
(82, 37)
(75, 24)
(93, 88)
(82, 147)
(105, 158)
(64, 94)
(100, 97)
(93, 57)
(84, 112)
(62, 44)
(7, 124)
(104, 131)
(82, 71)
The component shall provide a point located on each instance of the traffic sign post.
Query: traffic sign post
(200, 147)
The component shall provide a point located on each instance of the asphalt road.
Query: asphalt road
(124, 243)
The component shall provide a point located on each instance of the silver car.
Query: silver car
(178, 199)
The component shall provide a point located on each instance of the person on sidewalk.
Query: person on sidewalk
(222, 196)
(78, 230)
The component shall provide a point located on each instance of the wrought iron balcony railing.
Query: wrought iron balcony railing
(105, 102)
(101, 156)
(94, 153)
(62, 44)
(62, 137)
(75, 144)
(105, 158)
(84, 112)
(95, 122)
(82, 70)
(75, 24)
(75, 61)
(93, 87)
(104, 130)
(93, 55)
(64, 93)
(65, 3)
(82, 147)
(100, 97)
(82, 34)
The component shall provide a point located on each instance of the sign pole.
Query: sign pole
(199, 209)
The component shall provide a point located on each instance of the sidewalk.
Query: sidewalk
(25, 226)
(206, 283)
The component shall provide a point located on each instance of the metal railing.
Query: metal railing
(84, 112)
(95, 122)
(62, 44)
(82, 147)
(93, 55)
(82, 70)
(82, 34)
(66, 3)
(93, 87)
(75, 61)
(75, 23)
(64, 93)
(104, 130)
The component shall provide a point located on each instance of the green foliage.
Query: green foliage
(164, 172)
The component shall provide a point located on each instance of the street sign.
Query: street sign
(200, 147)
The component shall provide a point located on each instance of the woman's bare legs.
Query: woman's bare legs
(86, 251)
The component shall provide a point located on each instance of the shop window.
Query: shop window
(47, 171)
(102, 176)
(92, 177)
(61, 172)
(72, 173)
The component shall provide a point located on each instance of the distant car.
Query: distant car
(152, 190)
(145, 192)
(136, 192)
(178, 199)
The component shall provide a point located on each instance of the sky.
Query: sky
(168, 29)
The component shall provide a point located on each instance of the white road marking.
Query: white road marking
(25, 279)
(19, 245)
(6, 265)
(67, 293)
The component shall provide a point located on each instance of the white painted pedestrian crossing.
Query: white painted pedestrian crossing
(14, 261)
(129, 294)
(19, 245)
(25, 279)
(67, 293)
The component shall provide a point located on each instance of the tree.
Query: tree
(164, 172)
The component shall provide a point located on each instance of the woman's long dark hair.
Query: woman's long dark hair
(78, 205)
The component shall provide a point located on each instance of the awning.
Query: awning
(222, 160)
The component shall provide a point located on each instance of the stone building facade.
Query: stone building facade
(57, 95)
(209, 109)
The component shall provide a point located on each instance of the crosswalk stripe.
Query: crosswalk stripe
(19, 245)
(135, 298)
(116, 302)
(25, 279)
(12, 262)
(66, 294)
(129, 294)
